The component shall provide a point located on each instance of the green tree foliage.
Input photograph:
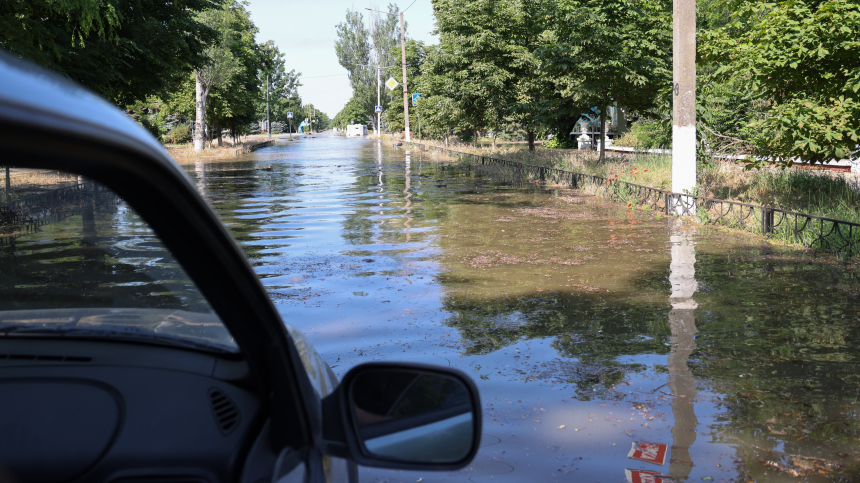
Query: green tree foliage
(800, 61)
(486, 60)
(600, 53)
(392, 114)
(124, 50)
(223, 59)
(283, 85)
(352, 113)
(360, 49)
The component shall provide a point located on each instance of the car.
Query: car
(137, 343)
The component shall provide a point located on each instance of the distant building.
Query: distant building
(356, 130)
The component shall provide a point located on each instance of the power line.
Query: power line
(410, 5)
(326, 92)
(319, 76)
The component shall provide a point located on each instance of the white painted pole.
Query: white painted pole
(405, 89)
(684, 103)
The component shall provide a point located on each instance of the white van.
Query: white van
(356, 130)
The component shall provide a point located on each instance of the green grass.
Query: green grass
(819, 193)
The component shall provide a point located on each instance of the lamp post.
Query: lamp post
(378, 129)
(403, 62)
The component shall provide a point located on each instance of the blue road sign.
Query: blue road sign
(378, 108)
(415, 98)
(289, 115)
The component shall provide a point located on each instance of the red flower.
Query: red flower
(646, 170)
(629, 205)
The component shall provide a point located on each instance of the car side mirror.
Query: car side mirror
(400, 415)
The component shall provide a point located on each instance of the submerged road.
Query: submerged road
(587, 328)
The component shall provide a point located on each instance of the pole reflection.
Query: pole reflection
(380, 187)
(682, 322)
(408, 194)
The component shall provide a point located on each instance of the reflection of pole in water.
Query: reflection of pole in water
(408, 195)
(379, 172)
(682, 276)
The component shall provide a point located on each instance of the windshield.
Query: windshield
(77, 261)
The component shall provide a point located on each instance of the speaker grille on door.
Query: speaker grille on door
(225, 411)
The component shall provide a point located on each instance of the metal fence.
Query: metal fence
(53, 205)
(836, 236)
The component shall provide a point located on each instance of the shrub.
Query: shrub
(559, 143)
(180, 134)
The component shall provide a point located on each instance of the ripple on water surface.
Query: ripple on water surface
(586, 327)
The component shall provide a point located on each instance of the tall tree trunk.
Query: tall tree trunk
(218, 130)
(531, 140)
(602, 133)
(201, 93)
(495, 133)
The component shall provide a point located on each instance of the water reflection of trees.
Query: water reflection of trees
(229, 186)
(102, 255)
(393, 193)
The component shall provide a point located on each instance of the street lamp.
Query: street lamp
(403, 56)
(378, 130)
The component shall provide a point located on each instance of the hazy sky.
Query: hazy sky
(305, 32)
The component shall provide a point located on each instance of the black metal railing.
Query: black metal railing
(828, 234)
(52, 205)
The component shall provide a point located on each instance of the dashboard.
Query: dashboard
(89, 410)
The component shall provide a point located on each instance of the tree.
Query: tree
(475, 59)
(222, 62)
(125, 50)
(392, 113)
(351, 113)
(283, 85)
(601, 53)
(354, 53)
(360, 50)
(800, 59)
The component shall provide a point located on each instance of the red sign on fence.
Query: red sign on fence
(650, 452)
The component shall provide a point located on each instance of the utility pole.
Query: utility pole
(405, 89)
(403, 56)
(268, 126)
(291, 119)
(684, 103)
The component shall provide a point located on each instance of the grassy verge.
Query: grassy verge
(185, 153)
(819, 193)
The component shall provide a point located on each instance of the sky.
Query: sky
(305, 32)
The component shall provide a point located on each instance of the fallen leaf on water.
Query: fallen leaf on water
(561, 427)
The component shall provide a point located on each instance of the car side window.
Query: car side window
(73, 252)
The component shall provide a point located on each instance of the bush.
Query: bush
(559, 143)
(647, 134)
(180, 134)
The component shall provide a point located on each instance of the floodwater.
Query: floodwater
(587, 328)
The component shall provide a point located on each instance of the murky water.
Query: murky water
(586, 327)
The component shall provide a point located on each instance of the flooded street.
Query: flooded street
(587, 328)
